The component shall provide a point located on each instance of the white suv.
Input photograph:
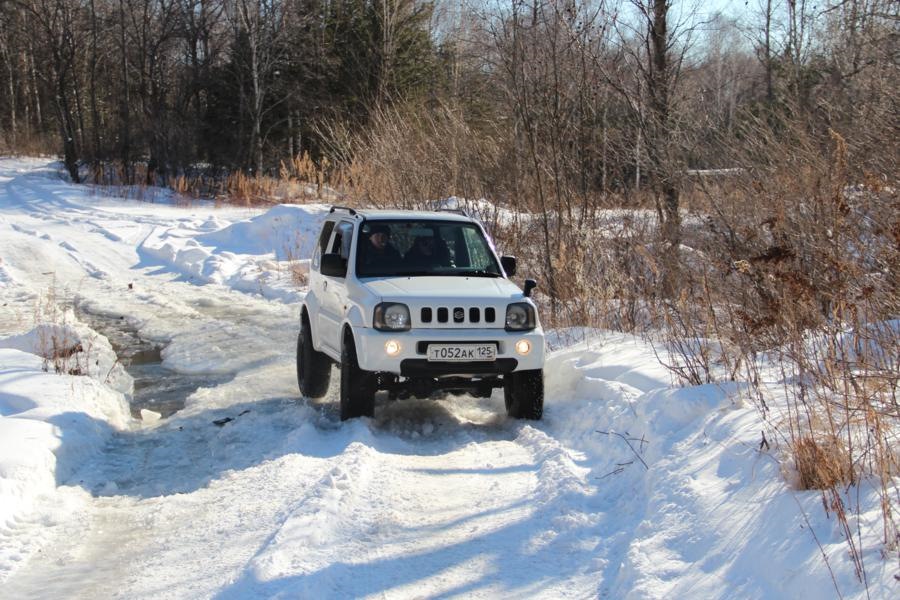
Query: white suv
(417, 303)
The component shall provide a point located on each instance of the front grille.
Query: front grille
(458, 315)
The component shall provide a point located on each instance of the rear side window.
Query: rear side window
(326, 233)
(343, 236)
(321, 247)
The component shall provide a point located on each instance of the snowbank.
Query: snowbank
(52, 422)
(701, 509)
(267, 254)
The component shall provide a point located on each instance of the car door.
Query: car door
(316, 281)
(334, 291)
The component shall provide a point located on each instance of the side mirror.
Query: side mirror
(530, 284)
(509, 265)
(333, 265)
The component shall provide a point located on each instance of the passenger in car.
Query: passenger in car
(427, 252)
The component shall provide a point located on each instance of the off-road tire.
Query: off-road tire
(523, 393)
(313, 368)
(357, 386)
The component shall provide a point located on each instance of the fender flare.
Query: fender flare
(355, 317)
(352, 321)
(313, 326)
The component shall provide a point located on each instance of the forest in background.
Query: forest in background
(615, 94)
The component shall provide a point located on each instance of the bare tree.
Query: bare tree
(652, 43)
(9, 60)
(57, 22)
(261, 24)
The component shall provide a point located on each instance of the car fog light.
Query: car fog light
(392, 347)
(523, 347)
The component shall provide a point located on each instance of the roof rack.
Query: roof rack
(458, 211)
(347, 208)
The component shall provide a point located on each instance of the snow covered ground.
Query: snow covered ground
(629, 488)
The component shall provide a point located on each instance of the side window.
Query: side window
(343, 236)
(323, 243)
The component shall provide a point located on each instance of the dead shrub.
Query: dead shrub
(57, 343)
(801, 270)
(822, 462)
(413, 155)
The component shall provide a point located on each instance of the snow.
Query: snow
(50, 424)
(630, 487)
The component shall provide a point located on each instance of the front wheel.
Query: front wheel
(313, 368)
(357, 385)
(523, 393)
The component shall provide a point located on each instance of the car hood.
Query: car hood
(444, 287)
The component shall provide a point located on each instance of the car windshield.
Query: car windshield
(405, 248)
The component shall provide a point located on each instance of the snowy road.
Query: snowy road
(423, 496)
(429, 499)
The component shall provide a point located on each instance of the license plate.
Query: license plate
(461, 352)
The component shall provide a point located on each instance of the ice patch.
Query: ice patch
(150, 416)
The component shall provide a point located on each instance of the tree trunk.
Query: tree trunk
(95, 113)
(290, 134)
(11, 83)
(79, 110)
(660, 148)
(38, 113)
(124, 116)
(66, 126)
(769, 63)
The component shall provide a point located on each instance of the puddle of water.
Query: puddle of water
(162, 390)
(156, 388)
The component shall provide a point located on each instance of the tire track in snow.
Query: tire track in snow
(332, 509)
(180, 506)
(439, 514)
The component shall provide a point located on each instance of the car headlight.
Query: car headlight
(392, 316)
(520, 316)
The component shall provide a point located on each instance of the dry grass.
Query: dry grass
(800, 264)
(412, 155)
(58, 345)
(28, 145)
(300, 180)
(822, 462)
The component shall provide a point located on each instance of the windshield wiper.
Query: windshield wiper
(478, 273)
(449, 273)
(416, 273)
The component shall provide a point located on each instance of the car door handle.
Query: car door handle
(325, 286)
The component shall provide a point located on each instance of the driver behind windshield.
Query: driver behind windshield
(379, 250)
(429, 250)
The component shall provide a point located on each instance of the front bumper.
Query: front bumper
(421, 367)
(412, 359)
